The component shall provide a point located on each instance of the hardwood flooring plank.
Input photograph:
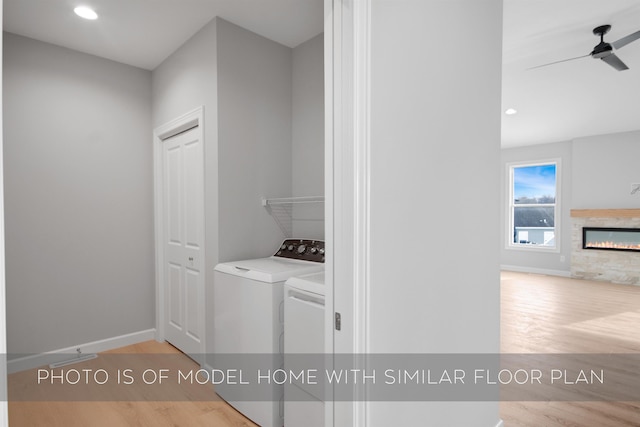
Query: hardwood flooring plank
(548, 314)
(128, 408)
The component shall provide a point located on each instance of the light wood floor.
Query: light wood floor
(540, 314)
(547, 314)
(207, 409)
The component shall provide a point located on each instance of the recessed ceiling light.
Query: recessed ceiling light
(510, 111)
(86, 12)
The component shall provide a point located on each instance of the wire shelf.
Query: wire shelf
(281, 209)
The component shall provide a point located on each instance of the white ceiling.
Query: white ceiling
(572, 99)
(144, 32)
(555, 103)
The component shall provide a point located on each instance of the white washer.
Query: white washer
(249, 315)
(304, 331)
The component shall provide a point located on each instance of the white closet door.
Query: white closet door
(183, 183)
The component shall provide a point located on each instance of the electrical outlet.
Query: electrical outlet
(635, 188)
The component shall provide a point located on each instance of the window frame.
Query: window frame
(510, 206)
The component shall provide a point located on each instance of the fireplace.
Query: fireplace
(617, 266)
(611, 239)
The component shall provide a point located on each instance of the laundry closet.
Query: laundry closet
(263, 184)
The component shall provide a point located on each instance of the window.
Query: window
(533, 205)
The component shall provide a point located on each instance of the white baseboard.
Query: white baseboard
(36, 360)
(548, 272)
(500, 424)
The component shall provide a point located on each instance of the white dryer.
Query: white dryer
(304, 330)
(249, 317)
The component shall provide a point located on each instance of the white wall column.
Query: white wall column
(415, 178)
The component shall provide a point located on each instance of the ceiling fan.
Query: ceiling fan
(604, 50)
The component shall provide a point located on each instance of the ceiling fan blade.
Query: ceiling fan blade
(557, 62)
(615, 62)
(626, 40)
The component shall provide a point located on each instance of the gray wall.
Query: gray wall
(308, 136)
(604, 167)
(254, 119)
(435, 149)
(538, 261)
(597, 173)
(78, 186)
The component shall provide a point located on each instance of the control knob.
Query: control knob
(302, 249)
(314, 250)
(321, 251)
(290, 247)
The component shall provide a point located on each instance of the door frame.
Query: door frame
(184, 122)
(4, 406)
(347, 197)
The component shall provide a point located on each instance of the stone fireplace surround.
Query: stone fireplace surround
(612, 266)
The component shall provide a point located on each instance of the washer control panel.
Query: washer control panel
(302, 249)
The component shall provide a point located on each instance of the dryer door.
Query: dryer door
(304, 343)
(303, 322)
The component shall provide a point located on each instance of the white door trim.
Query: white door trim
(186, 121)
(329, 130)
(4, 408)
(347, 187)
(361, 171)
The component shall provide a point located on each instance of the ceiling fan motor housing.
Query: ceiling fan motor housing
(601, 50)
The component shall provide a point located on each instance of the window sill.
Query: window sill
(533, 248)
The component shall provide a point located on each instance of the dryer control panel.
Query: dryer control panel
(302, 249)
